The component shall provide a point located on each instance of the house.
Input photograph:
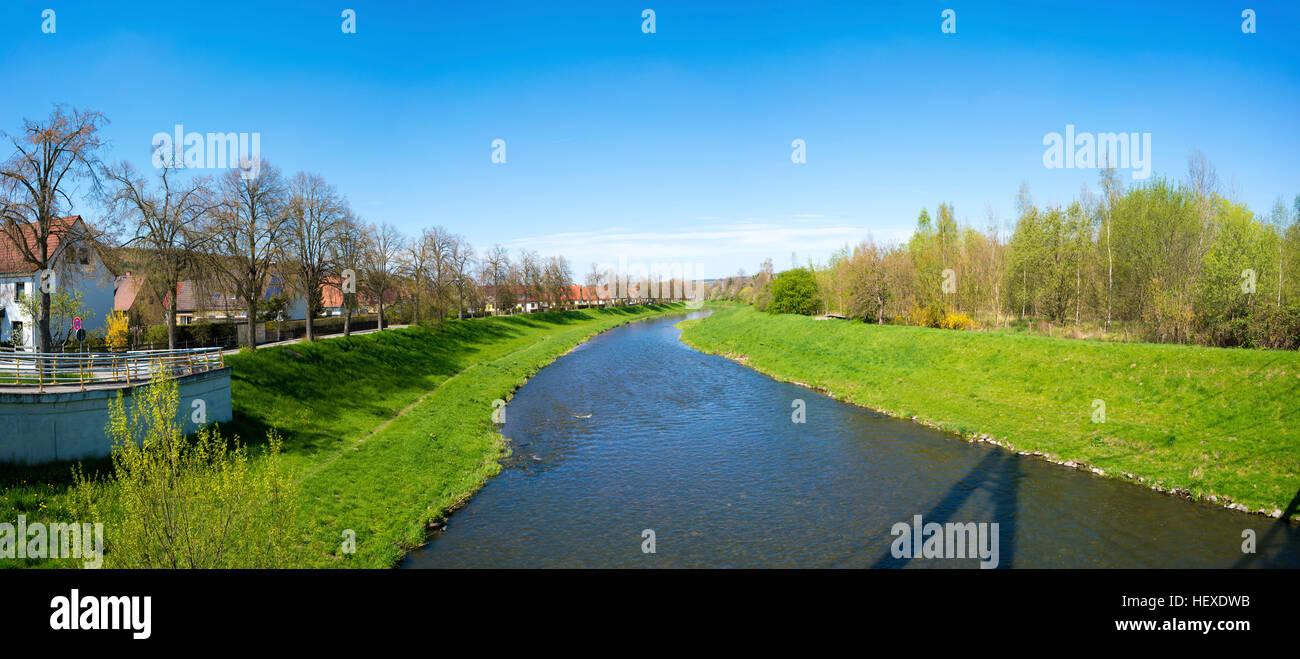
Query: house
(77, 268)
(574, 296)
(331, 300)
(582, 297)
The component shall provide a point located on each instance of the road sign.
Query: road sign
(76, 324)
(81, 335)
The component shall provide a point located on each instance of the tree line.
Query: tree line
(232, 233)
(1163, 261)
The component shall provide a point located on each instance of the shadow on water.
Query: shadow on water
(1280, 534)
(999, 474)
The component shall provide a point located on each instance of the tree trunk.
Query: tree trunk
(42, 334)
(252, 322)
(171, 326)
(347, 321)
(1078, 294)
(1110, 272)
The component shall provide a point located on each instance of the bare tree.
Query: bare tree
(316, 213)
(348, 252)
(247, 230)
(595, 279)
(496, 275)
(166, 222)
(48, 156)
(384, 245)
(415, 263)
(461, 265)
(530, 275)
(441, 246)
(556, 279)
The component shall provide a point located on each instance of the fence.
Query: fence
(39, 369)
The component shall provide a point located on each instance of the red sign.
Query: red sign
(76, 324)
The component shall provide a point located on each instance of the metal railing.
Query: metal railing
(41, 369)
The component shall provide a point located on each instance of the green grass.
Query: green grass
(385, 432)
(1210, 421)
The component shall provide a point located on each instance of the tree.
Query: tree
(1112, 188)
(118, 331)
(440, 245)
(247, 230)
(347, 256)
(1278, 220)
(384, 245)
(794, 291)
(166, 222)
(64, 306)
(316, 213)
(415, 264)
(496, 275)
(48, 156)
(461, 265)
(530, 275)
(869, 286)
(556, 279)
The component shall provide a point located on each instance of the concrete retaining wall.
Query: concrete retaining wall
(69, 425)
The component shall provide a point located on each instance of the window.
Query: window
(16, 334)
(20, 290)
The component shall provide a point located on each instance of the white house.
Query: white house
(76, 268)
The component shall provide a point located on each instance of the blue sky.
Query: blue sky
(675, 147)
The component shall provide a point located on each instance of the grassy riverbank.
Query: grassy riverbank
(1210, 421)
(385, 432)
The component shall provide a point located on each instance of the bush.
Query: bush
(178, 502)
(1275, 328)
(158, 334)
(924, 317)
(118, 334)
(202, 332)
(794, 291)
(957, 321)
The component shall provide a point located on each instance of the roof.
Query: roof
(11, 255)
(125, 290)
(189, 297)
(587, 293)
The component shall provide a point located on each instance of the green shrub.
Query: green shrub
(187, 502)
(1269, 326)
(794, 291)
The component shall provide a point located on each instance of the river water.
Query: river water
(634, 431)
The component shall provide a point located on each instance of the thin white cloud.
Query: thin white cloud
(712, 250)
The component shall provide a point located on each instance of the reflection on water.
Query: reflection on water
(635, 431)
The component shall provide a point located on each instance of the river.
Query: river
(635, 431)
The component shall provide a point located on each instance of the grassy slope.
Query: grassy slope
(386, 431)
(1211, 421)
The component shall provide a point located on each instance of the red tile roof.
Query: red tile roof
(587, 293)
(11, 255)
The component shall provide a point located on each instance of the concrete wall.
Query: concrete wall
(69, 425)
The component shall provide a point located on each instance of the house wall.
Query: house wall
(93, 280)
